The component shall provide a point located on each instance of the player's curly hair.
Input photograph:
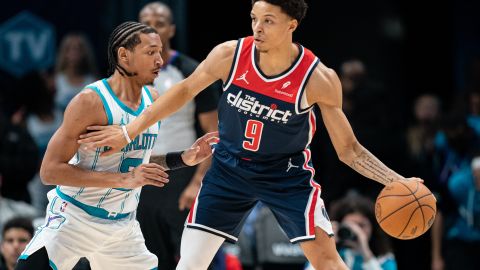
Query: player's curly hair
(293, 8)
(125, 35)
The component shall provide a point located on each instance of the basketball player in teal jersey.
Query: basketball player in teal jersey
(91, 212)
(266, 123)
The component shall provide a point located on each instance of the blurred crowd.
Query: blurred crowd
(428, 137)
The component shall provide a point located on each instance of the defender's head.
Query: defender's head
(134, 51)
(273, 21)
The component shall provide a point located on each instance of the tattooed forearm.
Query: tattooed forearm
(160, 160)
(369, 166)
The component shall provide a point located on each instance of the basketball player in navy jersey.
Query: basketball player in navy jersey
(91, 212)
(266, 124)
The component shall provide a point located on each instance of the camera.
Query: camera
(344, 233)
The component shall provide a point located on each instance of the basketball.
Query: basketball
(405, 209)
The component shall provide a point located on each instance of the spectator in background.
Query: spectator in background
(422, 159)
(473, 117)
(352, 74)
(462, 230)
(10, 209)
(42, 120)
(18, 155)
(162, 212)
(421, 135)
(74, 69)
(360, 241)
(455, 232)
(16, 234)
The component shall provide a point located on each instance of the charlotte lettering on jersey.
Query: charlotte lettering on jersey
(146, 142)
(249, 104)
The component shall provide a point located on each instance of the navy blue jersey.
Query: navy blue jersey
(260, 116)
(263, 153)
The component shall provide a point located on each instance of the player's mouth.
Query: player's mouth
(156, 71)
(258, 41)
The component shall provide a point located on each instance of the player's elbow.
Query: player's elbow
(348, 153)
(47, 174)
(345, 156)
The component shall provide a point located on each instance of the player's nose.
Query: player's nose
(159, 62)
(257, 27)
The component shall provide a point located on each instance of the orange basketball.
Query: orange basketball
(405, 209)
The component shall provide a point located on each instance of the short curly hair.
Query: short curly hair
(293, 8)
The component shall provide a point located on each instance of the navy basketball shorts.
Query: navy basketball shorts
(233, 186)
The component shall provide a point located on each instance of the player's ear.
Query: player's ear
(122, 54)
(293, 25)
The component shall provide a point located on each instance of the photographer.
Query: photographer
(360, 241)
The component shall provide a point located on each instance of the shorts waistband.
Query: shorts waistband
(91, 210)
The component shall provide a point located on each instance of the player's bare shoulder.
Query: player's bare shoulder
(324, 87)
(220, 59)
(86, 107)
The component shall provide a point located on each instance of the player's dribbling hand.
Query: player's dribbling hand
(414, 179)
(146, 174)
(200, 150)
(101, 136)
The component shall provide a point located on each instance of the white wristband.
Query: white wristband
(125, 133)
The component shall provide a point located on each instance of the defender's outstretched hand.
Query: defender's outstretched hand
(101, 136)
(201, 149)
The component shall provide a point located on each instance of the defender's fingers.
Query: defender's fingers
(98, 127)
(94, 138)
(108, 152)
(154, 165)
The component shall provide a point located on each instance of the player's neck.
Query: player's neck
(125, 88)
(276, 60)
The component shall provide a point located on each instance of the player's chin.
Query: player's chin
(261, 48)
(149, 80)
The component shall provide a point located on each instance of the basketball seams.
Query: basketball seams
(403, 206)
(413, 213)
(409, 219)
(428, 206)
(394, 195)
(419, 205)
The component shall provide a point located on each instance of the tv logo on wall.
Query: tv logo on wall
(27, 43)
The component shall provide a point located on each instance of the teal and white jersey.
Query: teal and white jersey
(112, 203)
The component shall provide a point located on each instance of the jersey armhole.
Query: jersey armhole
(298, 104)
(233, 68)
(108, 112)
(147, 91)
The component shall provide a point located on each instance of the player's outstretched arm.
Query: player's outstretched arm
(324, 88)
(216, 66)
(84, 110)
